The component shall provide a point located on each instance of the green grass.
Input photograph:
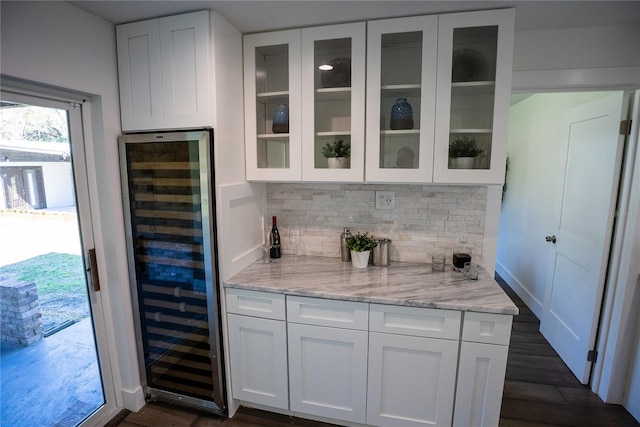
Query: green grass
(53, 273)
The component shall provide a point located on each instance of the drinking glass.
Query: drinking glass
(266, 246)
(470, 271)
(295, 234)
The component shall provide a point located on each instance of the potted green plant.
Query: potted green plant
(360, 245)
(338, 154)
(463, 152)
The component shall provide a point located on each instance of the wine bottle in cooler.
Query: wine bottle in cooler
(275, 250)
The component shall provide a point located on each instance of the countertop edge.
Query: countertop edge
(375, 300)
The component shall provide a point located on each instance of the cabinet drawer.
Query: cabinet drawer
(254, 303)
(421, 322)
(326, 312)
(487, 328)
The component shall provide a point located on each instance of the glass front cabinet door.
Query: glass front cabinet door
(401, 98)
(475, 51)
(272, 106)
(333, 107)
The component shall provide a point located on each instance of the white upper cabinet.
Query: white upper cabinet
(431, 81)
(163, 68)
(333, 106)
(401, 98)
(475, 52)
(272, 106)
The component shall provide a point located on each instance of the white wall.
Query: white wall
(573, 58)
(58, 44)
(58, 184)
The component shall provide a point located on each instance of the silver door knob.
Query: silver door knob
(551, 239)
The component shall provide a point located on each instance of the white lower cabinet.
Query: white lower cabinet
(411, 380)
(481, 369)
(328, 372)
(373, 364)
(258, 347)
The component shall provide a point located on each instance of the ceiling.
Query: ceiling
(267, 15)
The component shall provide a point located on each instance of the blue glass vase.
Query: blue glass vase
(401, 115)
(281, 119)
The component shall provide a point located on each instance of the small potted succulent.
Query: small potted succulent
(360, 245)
(463, 152)
(338, 154)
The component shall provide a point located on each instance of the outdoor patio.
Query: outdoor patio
(54, 382)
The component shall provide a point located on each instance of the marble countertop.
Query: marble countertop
(407, 284)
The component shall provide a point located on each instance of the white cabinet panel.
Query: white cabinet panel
(184, 41)
(401, 65)
(475, 51)
(163, 68)
(480, 384)
(272, 82)
(487, 328)
(139, 75)
(333, 101)
(411, 380)
(258, 349)
(423, 322)
(328, 372)
(326, 312)
(255, 303)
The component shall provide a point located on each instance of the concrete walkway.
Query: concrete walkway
(54, 382)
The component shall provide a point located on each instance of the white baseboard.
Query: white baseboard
(519, 288)
(133, 399)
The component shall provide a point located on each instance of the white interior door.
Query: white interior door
(581, 238)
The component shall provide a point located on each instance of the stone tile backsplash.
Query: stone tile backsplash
(427, 218)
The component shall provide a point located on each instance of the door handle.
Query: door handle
(551, 239)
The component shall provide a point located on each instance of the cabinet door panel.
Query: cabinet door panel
(139, 75)
(272, 84)
(411, 380)
(475, 51)
(480, 384)
(185, 60)
(333, 107)
(401, 65)
(258, 349)
(328, 371)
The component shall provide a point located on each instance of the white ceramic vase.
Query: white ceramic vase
(339, 162)
(360, 259)
(462, 162)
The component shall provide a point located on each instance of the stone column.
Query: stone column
(20, 312)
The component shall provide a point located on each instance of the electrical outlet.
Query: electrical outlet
(385, 199)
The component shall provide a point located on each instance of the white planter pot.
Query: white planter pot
(339, 162)
(360, 259)
(462, 162)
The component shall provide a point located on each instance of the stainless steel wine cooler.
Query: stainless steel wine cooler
(168, 191)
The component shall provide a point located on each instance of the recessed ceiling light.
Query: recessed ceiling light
(326, 67)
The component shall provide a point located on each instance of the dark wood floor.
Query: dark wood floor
(539, 391)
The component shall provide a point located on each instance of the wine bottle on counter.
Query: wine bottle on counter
(275, 250)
